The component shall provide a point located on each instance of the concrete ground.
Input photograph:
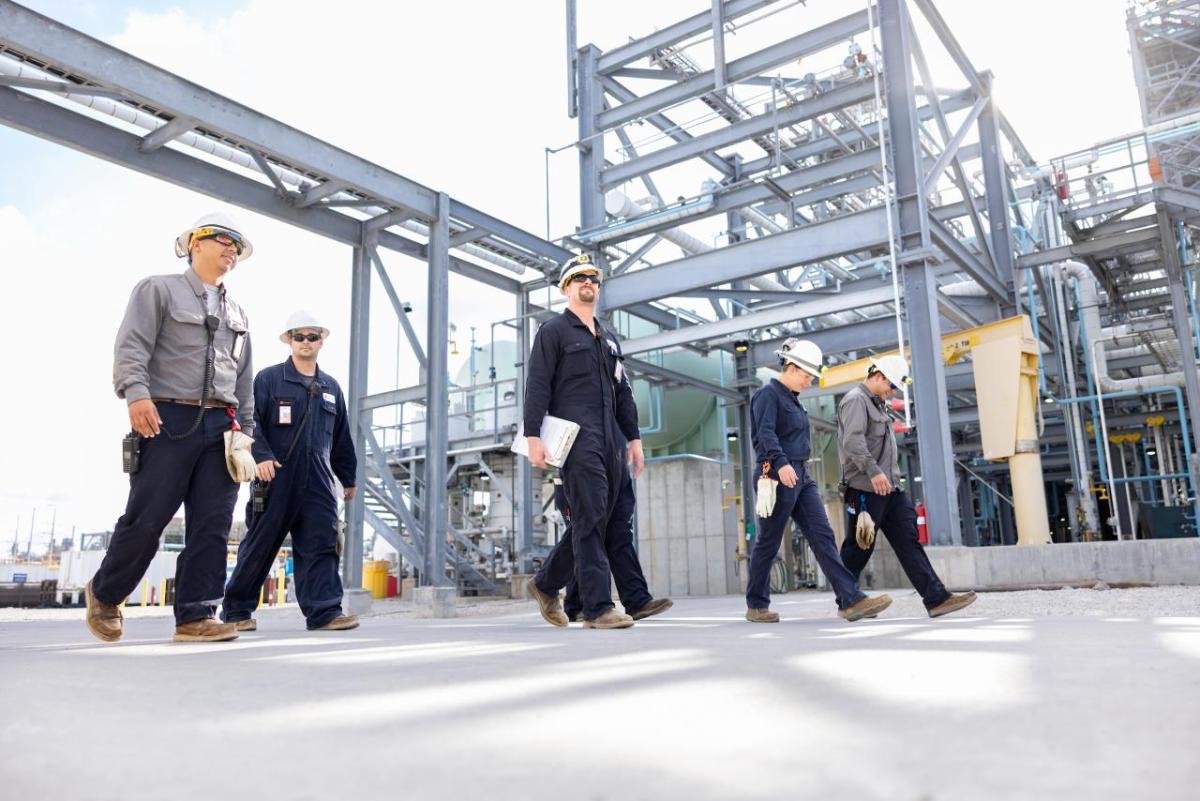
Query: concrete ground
(1077, 694)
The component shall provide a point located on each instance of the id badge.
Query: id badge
(285, 413)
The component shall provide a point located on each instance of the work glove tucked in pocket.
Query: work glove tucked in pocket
(764, 503)
(238, 458)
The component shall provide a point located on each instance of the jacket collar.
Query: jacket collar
(193, 280)
(290, 373)
(869, 395)
(787, 393)
(574, 320)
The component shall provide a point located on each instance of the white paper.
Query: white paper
(557, 435)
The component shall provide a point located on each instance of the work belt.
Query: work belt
(209, 404)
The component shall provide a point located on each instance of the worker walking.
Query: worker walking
(576, 373)
(304, 451)
(871, 480)
(182, 363)
(782, 440)
(622, 561)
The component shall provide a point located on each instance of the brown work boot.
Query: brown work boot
(654, 606)
(339, 623)
(103, 620)
(549, 606)
(953, 604)
(867, 607)
(762, 616)
(249, 624)
(612, 619)
(205, 630)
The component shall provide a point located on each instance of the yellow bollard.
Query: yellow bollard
(260, 594)
(280, 588)
(162, 593)
(145, 591)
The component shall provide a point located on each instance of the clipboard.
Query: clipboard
(557, 435)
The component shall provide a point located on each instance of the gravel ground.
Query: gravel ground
(1140, 602)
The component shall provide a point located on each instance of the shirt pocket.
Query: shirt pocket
(188, 326)
(577, 359)
(328, 417)
(233, 337)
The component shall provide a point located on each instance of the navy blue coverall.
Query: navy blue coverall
(622, 561)
(782, 436)
(303, 496)
(577, 375)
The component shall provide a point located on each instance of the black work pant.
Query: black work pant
(311, 518)
(622, 557)
(801, 503)
(191, 472)
(599, 492)
(896, 518)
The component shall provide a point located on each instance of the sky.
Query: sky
(463, 97)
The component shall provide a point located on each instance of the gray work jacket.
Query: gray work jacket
(866, 442)
(162, 345)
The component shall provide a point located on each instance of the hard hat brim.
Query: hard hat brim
(286, 336)
(578, 269)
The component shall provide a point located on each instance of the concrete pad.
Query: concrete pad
(356, 601)
(434, 601)
(1065, 695)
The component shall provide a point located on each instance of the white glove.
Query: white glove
(764, 504)
(864, 530)
(238, 458)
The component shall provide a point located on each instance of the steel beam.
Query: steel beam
(995, 181)
(524, 489)
(665, 124)
(62, 126)
(437, 399)
(701, 83)
(360, 338)
(673, 34)
(1187, 345)
(819, 304)
(963, 257)
(841, 97)
(172, 130)
(54, 43)
(920, 280)
(398, 307)
(1098, 246)
(838, 236)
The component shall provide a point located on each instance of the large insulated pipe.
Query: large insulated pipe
(132, 116)
(618, 204)
(1089, 312)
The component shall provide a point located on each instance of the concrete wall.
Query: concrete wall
(1171, 561)
(686, 527)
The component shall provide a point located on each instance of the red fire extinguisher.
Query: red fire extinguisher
(922, 526)
(1062, 185)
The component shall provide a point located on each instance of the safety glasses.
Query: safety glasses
(591, 278)
(221, 236)
(305, 337)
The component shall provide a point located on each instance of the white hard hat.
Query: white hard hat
(804, 354)
(213, 224)
(301, 319)
(583, 263)
(894, 368)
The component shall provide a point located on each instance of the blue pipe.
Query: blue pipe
(1183, 424)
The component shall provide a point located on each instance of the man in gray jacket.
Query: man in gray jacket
(182, 363)
(870, 471)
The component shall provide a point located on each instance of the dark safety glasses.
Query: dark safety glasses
(222, 238)
(591, 278)
(305, 337)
